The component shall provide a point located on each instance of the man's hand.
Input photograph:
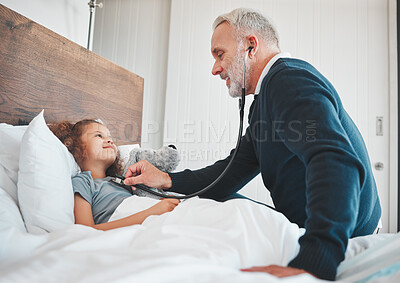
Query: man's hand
(145, 173)
(276, 270)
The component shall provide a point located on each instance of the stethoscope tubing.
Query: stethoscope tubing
(211, 185)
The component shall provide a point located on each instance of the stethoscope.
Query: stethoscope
(118, 180)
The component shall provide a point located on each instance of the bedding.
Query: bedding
(11, 137)
(44, 179)
(380, 262)
(124, 151)
(9, 212)
(200, 241)
(194, 241)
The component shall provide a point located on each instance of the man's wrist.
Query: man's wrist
(168, 182)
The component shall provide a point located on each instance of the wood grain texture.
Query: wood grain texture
(40, 69)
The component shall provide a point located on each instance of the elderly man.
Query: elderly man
(309, 152)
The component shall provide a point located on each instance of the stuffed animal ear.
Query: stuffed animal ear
(168, 158)
(165, 159)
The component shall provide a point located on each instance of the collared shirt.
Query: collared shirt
(268, 67)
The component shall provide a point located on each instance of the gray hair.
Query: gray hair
(246, 21)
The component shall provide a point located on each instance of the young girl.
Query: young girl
(96, 198)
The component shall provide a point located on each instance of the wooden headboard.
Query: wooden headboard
(40, 69)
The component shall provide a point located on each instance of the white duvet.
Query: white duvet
(236, 231)
(200, 241)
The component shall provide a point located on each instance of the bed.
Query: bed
(200, 241)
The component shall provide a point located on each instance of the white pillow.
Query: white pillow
(45, 191)
(11, 137)
(124, 151)
(10, 216)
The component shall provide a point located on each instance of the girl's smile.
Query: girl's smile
(98, 145)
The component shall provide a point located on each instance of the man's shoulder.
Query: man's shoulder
(291, 64)
(289, 69)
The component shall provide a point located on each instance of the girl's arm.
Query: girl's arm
(83, 214)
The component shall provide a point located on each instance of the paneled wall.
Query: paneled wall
(347, 40)
(168, 43)
(67, 18)
(134, 34)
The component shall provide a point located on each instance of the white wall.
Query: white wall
(69, 18)
(168, 43)
(134, 34)
(393, 110)
(347, 40)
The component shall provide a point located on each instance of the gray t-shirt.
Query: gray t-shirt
(103, 195)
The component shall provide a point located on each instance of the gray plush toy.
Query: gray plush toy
(165, 159)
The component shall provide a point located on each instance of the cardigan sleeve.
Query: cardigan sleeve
(243, 169)
(334, 173)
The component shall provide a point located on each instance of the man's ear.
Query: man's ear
(252, 41)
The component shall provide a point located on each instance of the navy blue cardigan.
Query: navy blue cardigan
(312, 159)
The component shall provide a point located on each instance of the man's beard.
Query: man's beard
(235, 73)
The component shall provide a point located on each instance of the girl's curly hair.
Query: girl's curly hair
(70, 135)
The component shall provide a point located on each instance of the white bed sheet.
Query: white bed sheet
(380, 262)
(200, 241)
(194, 243)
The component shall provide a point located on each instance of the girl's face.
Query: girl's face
(98, 145)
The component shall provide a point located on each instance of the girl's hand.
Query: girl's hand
(165, 205)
